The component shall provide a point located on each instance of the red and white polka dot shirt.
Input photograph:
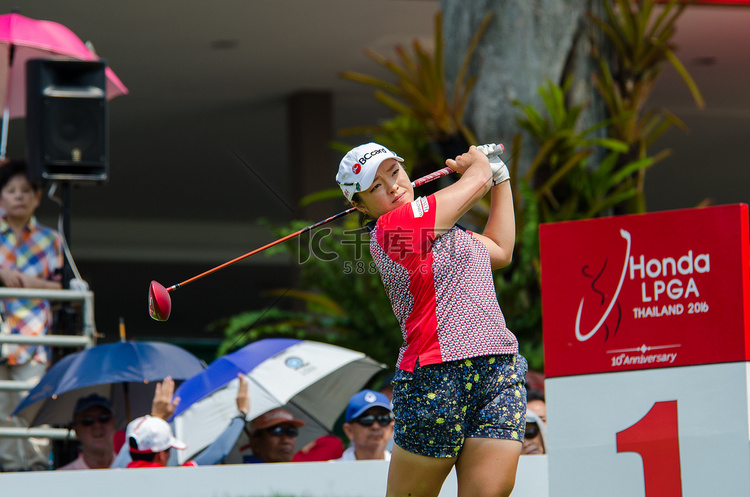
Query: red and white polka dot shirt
(441, 289)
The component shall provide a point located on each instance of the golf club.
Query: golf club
(160, 303)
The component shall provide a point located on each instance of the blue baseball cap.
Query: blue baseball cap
(92, 400)
(362, 401)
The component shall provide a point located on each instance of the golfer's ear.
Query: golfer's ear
(360, 207)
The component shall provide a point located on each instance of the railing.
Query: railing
(86, 339)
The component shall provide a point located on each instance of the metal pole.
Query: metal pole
(66, 209)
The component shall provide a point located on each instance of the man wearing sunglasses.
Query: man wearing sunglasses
(273, 437)
(535, 437)
(94, 425)
(369, 426)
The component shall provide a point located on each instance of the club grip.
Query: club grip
(432, 176)
(497, 150)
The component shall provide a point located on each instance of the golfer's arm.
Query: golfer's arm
(455, 200)
(499, 234)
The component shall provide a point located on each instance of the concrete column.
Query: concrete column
(312, 165)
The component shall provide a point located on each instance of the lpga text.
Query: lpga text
(668, 280)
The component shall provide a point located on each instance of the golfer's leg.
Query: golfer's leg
(487, 467)
(416, 476)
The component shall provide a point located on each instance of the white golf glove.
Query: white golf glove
(500, 171)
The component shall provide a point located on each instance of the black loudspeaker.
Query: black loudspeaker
(66, 120)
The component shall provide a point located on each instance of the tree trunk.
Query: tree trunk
(528, 42)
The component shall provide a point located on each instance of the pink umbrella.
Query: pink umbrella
(21, 39)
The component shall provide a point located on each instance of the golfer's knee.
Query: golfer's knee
(475, 488)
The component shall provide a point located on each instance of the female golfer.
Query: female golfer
(458, 392)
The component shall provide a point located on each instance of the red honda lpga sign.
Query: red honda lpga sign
(646, 291)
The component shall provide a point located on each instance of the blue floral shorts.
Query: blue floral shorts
(438, 406)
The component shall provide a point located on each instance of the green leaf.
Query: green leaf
(611, 144)
(694, 91)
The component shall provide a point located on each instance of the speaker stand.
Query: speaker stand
(67, 316)
(67, 272)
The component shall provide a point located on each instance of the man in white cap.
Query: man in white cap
(163, 407)
(369, 426)
(150, 439)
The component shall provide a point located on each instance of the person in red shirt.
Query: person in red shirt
(150, 439)
(459, 398)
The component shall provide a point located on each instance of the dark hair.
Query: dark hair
(140, 456)
(534, 394)
(13, 167)
(363, 218)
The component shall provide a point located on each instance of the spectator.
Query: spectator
(535, 379)
(164, 402)
(273, 437)
(163, 406)
(150, 440)
(535, 439)
(535, 401)
(30, 257)
(94, 425)
(369, 426)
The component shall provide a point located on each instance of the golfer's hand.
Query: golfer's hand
(163, 405)
(464, 161)
(500, 171)
(243, 395)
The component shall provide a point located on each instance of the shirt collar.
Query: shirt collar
(32, 225)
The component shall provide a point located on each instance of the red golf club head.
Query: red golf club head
(159, 302)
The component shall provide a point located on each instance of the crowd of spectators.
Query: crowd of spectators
(149, 441)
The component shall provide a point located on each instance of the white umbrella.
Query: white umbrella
(312, 380)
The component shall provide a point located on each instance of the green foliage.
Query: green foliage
(641, 38)
(420, 92)
(565, 184)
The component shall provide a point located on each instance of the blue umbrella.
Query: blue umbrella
(124, 372)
